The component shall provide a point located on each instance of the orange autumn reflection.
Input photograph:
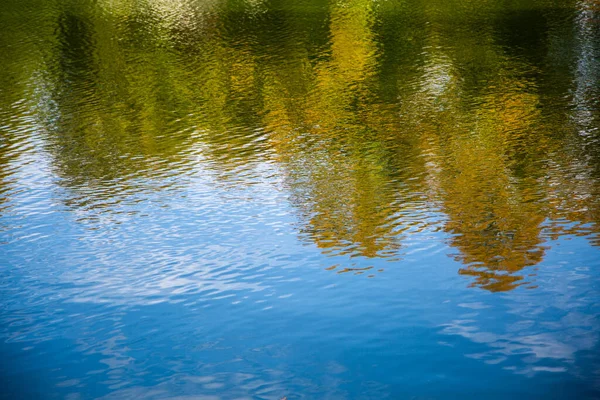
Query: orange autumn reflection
(379, 117)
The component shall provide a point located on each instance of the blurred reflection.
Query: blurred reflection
(331, 140)
(121, 117)
(376, 115)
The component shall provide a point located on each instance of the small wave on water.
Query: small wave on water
(259, 199)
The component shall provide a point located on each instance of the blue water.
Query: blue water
(157, 244)
(188, 296)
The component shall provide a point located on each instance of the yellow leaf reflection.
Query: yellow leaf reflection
(382, 119)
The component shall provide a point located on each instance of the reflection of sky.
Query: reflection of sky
(544, 330)
(201, 285)
(220, 256)
(112, 261)
(216, 275)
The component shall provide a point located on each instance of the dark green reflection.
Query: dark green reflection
(379, 114)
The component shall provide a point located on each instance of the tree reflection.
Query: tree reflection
(331, 139)
(377, 114)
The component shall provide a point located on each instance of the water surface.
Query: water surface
(354, 199)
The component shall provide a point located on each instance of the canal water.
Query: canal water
(309, 199)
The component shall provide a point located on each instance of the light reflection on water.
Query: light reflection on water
(257, 199)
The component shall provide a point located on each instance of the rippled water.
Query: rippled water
(252, 199)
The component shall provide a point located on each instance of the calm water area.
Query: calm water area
(309, 199)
